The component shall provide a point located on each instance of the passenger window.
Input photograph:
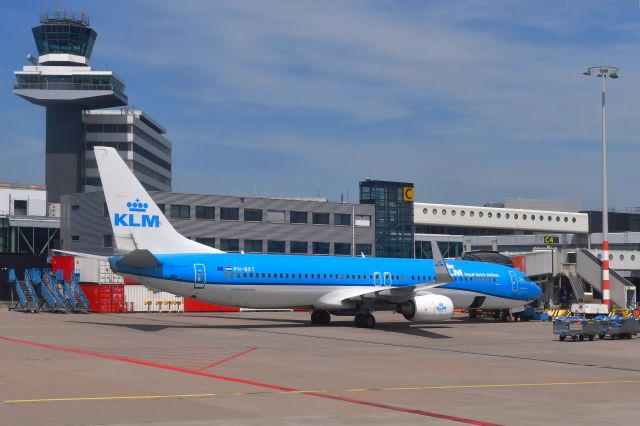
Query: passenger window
(312, 276)
(281, 275)
(325, 276)
(245, 275)
(233, 275)
(299, 275)
(263, 275)
(358, 276)
(306, 275)
(226, 275)
(269, 274)
(330, 275)
(287, 275)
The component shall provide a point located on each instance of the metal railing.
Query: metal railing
(59, 15)
(66, 86)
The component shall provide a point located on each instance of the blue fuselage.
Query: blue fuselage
(217, 276)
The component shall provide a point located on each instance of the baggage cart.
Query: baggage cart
(620, 328)
(576, 328)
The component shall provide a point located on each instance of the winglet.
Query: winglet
(442, 272)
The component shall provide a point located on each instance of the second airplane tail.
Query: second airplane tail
(136, 220)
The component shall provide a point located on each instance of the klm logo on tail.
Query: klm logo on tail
(136, 216)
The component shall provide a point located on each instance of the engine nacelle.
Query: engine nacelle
(430, 307)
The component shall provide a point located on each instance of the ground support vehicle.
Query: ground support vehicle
(618, 327)
(576, 328)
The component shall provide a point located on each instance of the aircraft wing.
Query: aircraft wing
(393, 294)
(78, 254)
(400, 294)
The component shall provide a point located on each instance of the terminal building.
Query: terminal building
(234, 224)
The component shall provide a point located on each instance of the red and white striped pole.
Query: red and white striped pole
(605, 200)
(603, 72)
(606, 298)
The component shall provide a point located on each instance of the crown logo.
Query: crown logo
(137, 206)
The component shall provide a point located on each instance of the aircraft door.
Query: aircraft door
(514, 281)
(199, 275)
(387, 279)
(377, 279)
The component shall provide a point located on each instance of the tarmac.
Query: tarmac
(274, 368)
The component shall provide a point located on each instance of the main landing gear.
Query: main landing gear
(320, 318)
(364, 320)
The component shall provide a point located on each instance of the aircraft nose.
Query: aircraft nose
(537, 291)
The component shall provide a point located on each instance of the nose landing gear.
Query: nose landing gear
(364, 320)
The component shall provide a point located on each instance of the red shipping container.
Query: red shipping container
(66, 264)
(104, 298)
(191, 305)
(520, 263)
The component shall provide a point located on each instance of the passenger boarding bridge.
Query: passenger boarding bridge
(554, 245)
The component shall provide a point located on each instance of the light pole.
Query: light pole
(603, 72)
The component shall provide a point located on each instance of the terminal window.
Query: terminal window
(299, 217)
(253, 246)
(253, 215)
(363, 249)
(205, 212)
(180, 211)
(229, 244)
(207, 241)
(321, 218)
(341, 219)
(320, 248)
(299, 247)
(362, 220)
(229, 213)
(343, 249)
(274, 246)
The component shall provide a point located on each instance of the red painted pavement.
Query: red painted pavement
(251, 382)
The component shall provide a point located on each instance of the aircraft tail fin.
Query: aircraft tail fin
(136, 220)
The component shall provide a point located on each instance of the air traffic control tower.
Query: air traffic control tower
(62, 81)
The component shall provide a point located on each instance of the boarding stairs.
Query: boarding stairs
(589, 268)
(27, 299)
(52, 283)
(74, 292)
(581, 290)
(50, 301)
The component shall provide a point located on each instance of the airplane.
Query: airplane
(151, 252)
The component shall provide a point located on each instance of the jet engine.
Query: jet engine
(429, 307)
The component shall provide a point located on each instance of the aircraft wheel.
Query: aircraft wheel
(369, 321)
(320, 318)
(364, 320)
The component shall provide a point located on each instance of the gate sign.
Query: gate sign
(551, 239)
(407, 193)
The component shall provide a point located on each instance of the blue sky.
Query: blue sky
(473, 101)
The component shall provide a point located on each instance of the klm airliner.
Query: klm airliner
(151, 252)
